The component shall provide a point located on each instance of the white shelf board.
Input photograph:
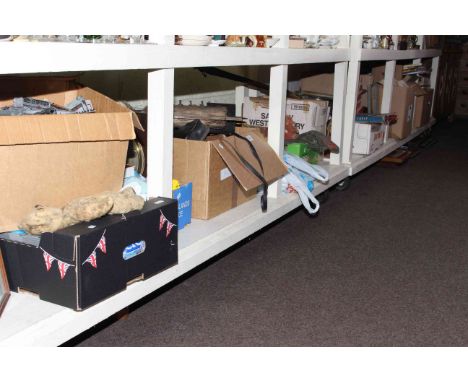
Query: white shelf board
(40, 57)
(360, 162)
(388, 55)
(28, 321)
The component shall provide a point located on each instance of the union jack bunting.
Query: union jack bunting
(102, 244)
(92, 259)
(63, 267)
(162, 220)
(48, 259)
(169, 228)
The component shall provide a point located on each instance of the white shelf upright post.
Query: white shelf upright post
(240, 93)
(160, 132)
(386, 105)
(277, 110)
(339, 96)
(351, 98)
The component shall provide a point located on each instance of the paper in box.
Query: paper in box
(79, 266)
(51, 159)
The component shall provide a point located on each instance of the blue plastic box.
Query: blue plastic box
(184, 200)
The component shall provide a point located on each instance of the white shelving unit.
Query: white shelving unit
(357, 163)
(30, 321)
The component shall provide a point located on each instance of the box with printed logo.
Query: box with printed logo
(81, 265)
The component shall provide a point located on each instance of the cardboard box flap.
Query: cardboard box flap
(228, 147)
(111, 122)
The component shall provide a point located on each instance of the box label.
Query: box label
(224, 174)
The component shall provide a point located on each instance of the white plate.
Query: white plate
(193, 37)
(194, 42)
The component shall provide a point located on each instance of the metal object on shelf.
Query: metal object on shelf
(136, 156)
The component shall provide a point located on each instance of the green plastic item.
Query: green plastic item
(302, 150)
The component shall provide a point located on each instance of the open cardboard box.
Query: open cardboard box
(220, 180)
(52, 159)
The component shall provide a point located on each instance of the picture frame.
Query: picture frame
(4, 289)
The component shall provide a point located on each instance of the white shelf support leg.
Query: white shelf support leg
(160, 132)
(277, 111)
(241, 93)
(434, 72)
(386, 105)
(350, 111)
(339, 96)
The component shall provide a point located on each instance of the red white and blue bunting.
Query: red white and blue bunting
(92, 258)
(169, 226)
(49, 260)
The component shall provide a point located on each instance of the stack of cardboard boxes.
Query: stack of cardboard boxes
(410, 102)
(51, 159)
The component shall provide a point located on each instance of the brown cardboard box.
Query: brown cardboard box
(402, 106)
(220, 181)
(322, 84)
(422, 107)
(51, 159)
(378, 73)
(319, 84)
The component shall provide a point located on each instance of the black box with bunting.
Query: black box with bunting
(86, 263)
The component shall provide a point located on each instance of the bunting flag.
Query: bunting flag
(49, 259)
(92, 259)
(169, 228)
(102, 244)
(162, 220)
(63, 267)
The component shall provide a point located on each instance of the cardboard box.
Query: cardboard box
(78, 266)
(402, 106)
(219, 179)
(183, 195)
(378, 72)
(52, 159)
(422, 107)
(322, 84)
(367, 138)
(318, 84)
(307, 114)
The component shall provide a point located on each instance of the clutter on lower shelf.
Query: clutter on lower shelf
(79, 266)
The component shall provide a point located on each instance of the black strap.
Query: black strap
(245, 162)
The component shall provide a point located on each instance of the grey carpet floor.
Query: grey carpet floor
(384, 264)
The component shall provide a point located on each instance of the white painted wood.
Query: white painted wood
(350, 110)
(62, 56)
(160, 132)
(241, 93)
(339, 96)
(386, 105)
(395, 41)
(434, 74)
(352, 87)
(386, 55)
(277, 114)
